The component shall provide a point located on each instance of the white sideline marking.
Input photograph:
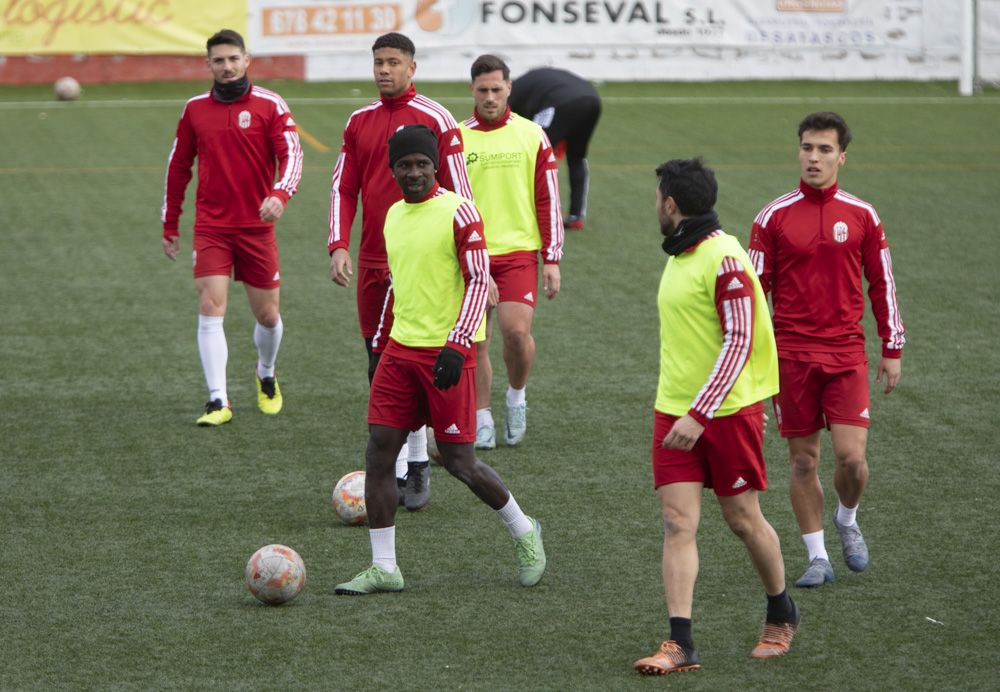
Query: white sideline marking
(666, 100)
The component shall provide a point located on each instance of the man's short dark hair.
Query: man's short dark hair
(226, 37)
(826, 120)
(485, 64)
(397, 41)
(691, 183)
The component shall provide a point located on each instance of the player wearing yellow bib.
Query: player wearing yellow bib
(717, 364)
(439, 269)
(513, 173)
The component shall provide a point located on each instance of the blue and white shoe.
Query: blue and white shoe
(855, 548)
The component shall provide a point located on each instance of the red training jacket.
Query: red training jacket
(239, 146)
(809, 248)
(363, 167)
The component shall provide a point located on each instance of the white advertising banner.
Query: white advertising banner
(626, 39)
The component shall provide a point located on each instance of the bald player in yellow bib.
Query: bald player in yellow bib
(513, 173)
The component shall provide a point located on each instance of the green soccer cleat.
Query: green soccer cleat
(216, 413)
(517, 424)
(269, 399)
(372, 580)
(531, 555)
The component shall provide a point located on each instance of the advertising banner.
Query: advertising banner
(626, 39)
(174, 27)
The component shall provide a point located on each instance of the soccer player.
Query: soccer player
(717, 365)
(243, 137)
(514, 177)
(440, 274)
(810, 248)
(361, 169)
(568, 108)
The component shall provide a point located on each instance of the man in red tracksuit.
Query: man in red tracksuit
(361, 169)
(243, 137)
(810, 248)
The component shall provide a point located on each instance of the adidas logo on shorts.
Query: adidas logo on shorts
(452, 430)
(865, 414)
(740, 482)
(530, 296)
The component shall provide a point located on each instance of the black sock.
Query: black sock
(680, 632)
(780, 608)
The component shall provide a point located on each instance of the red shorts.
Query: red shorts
(373, 287)
(249, 257)
(403, 396)
(516, 276)
(728, 457)
(814, 395)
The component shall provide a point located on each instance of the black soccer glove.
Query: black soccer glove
(448, 368)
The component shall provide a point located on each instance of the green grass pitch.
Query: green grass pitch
(124, 528)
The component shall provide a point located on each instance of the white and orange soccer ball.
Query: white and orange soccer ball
(349, 499)
(66, 89)
(275, 574)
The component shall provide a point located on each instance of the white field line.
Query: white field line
(653, 100)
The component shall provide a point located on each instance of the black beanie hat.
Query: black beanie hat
(413, 139)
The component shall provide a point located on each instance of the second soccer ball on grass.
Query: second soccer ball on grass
(349, 499)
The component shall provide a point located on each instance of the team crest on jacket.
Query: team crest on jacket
(840, 232)
(244, 119)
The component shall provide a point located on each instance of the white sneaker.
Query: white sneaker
(517, 424)
(486, 437)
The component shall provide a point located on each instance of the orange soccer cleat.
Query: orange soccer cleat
(669, 658)
(776, 639)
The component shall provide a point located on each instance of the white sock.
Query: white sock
(517, 522)
(267, 339)
(815, 545)
(846, 516)
(515, 397)
(214, 354)
(416, 443)
(384, 547)
(484, 416)
(401, 467)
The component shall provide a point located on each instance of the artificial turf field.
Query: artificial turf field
(124, 528)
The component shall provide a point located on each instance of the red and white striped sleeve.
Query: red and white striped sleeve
(877, 264)
(762, 251)
(288, 151)
(470, 246)
(734, 301)
(548, 208)
(344, 190)
(179, 165)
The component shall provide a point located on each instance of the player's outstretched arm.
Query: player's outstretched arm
(892, 369)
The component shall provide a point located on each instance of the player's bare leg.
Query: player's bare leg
(381, 499)
(459, 459)
(681, 508)
(381, 491)
(519, 355)
(806, 493)
(850, 479)
(804, 486)
(486, 433)
(742, 514)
